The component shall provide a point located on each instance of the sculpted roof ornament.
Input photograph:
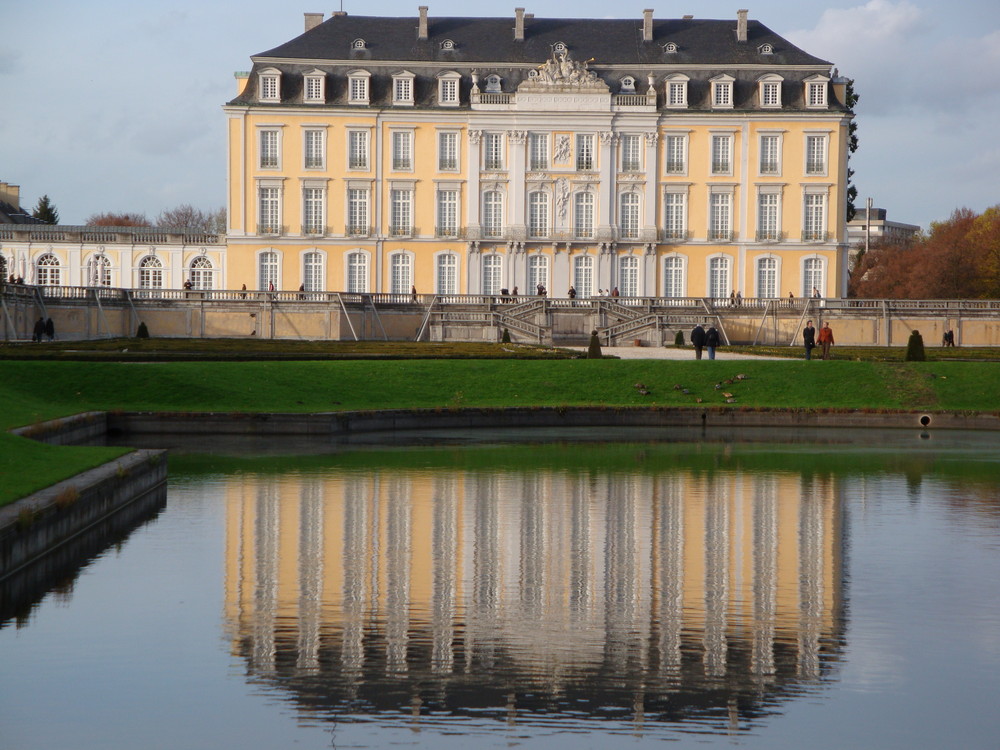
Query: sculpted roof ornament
(561, 70)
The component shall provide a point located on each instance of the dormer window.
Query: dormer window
(447, 45)
(722, 92)
(670, 48)
(677, 91)
(815, 93)
(402, 89)
(357, 87)
(270, 85)
(769, 90)
(314, 87)
(493, 84)
(559, 48)
(359, 44)
(448, 89)
(766, 49)
(628, 85)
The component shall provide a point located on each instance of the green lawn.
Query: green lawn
(35, 390)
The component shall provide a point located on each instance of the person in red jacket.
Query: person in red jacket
(825, 340)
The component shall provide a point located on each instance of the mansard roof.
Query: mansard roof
(491, 40)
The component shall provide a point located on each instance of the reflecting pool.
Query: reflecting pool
(829, 590)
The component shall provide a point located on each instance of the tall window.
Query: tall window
(312, 271)
(631, 145)
(720, 213)
(538, 214)
(676, 152)
(722, 154)
(314, 148)
(201, 274)
(447, 273)
(769, 153)
(358, 89)
(312, 211)
(673, 276)
(357, 149)
(447, 213)
(492, 214)
(447, 152)
(357, 212)
(268, 149)
(767, 217)
(718, 278)
(268, 216)
(628, 276)
(812, 276)
(493, 151)
(583, 275)
(150, 273)
(492, 274)
(583, 215)
(674, 216)
(46, 271)
(400, 274)
(357, 273)
(538, 151)
(815, 154)
(402, 150)
(628, 216)
(584, 152)
(267, 270)
(538, 272)
(814, 220)
(767, 277)
(400, 212)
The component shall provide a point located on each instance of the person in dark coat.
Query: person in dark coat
(50, 329)
(809, 338)
(711, 341)
(698, 340)
(39, 331)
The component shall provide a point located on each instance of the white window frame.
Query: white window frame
(768, 214)
(402, 150)
(769, 165)
(269, 147)
(357, 271)
(720, 215)
(270, 85)
(314, 148)
(674, 287)
(539, 214)
(584, 210)
(722, 91)
(313, 208)
(586, 157)
(400, 212)
(358, 211)
(629, 215)
(675, 91)
(814, 215)
(492, 273)
(675, 215)
(538, 272)
(538, 152)
(447, 208)
(769, 91)
(448, 151)
(629, 268)
(631, 152)
(583, 275)
(673, 142)
(201, 273)
(448, 89)
(313, 270)
(400, 272)
(268, 269)
(446, 269)
(718, 269)
(402, 89)
(813, 273)
(359, 87)
(269, 205)
(493, 152)
(815, 157)
(721, 153)
(767, 273)
(48, 270)
(816, 92)
(493, 214)
(314, 87)
(358, 150)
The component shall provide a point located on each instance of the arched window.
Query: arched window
(538, 273)
(201, 273)
(447, 273)
(492, 274)
(400, 274)
(492, 214)
(767, 277)
(583, 275)
(673, 276)
(47, 272)
(312, 271)
(628, 276)
(150, 273)
(812, 276)
(718, 277)
(628, 216)
(267, 270)
(583, 215)
(357, 273)
(538, 214)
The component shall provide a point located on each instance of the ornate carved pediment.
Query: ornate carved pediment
(563, 71)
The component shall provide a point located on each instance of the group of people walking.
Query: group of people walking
(824, 340)
(44, 329)
(702, 339)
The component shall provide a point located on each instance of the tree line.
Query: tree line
(957, 259)
(185, 217)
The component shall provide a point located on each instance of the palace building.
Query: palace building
(664, 158)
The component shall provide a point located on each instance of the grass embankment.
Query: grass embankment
(34, 391)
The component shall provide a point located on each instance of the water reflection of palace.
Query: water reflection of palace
(657, 595)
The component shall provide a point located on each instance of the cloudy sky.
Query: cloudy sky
(116, 106)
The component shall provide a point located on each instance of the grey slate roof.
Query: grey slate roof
(477, 40)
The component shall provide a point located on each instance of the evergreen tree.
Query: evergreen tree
(915, 348)
(852, 146)
(594, 350)
(46, 211)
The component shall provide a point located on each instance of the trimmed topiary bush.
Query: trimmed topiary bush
(679, 339)
(915, 348)
(594, 350)
(143, 332)
(505, 339)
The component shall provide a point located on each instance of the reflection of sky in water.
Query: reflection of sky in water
(770, 609)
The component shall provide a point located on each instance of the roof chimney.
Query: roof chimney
(422, 28)
(518, 24)
(313, 20)
(741, 25)
(647, 25)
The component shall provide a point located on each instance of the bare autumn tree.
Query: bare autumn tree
(111, 219)
(193, 219)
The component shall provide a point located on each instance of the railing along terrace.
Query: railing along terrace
(107, 235)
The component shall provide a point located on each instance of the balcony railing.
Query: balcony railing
(721, 235)
(813, 236)
(769, 167)
(357, 230)
(447, 165)
(270, 229)
(402, 165)
(402, 231)
(769, 235)
(584, 164)
(674, 235)
(635, 100)
(675, 167)
(315, 229)
(356, 163)
(449, 231)
(722, 167)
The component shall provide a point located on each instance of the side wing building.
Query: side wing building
(664, 158)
